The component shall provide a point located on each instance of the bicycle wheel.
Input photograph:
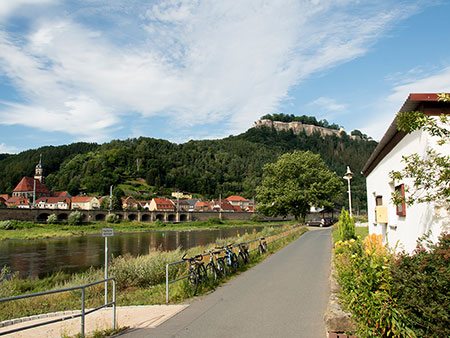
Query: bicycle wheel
(234, 262)
(241, 259)
(202, 273)
(221, 267)
(193, 281)
(212, 272)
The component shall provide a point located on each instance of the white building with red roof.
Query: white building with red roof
(62, 203)
(28, 186)
(401, 225)
(161, 204)
(85, 202)
(18, 202)
(240, 201)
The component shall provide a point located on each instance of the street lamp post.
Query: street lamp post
(348, 176)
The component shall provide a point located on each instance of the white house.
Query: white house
(402, 225)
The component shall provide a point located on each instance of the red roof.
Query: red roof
(201, 204)
(27, 185)
(237, 208)
(17, 200)
(236, 198)
(4, 196)
(163, 203)
(53, 200)
(60, 194)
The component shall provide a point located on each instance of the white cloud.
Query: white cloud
(386, 108)
(327, 108)
(5, 149)
(201, 62)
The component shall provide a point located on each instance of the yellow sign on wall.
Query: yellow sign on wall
(381, 214)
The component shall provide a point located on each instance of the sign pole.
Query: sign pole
(106, 232)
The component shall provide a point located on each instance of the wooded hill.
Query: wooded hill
(232, 165)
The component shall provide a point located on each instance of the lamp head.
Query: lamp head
(348, 175)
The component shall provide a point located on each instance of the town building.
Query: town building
(161, 204)
(202, 206)
(85, 202)
(130, 203)
(62, 203)
(30, 187)
(240, 201)
(401, 226)
(18, 202)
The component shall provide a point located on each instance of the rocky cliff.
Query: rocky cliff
(297, 127)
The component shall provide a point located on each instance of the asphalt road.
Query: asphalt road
(283, 296)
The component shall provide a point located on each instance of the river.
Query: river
(76, 254)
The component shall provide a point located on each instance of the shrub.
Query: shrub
(255, 218)
(159, 223)
(421, 283)
(112, 218)
(7, 225)
(346, 226)
(52, 219)
(364, 276)
(215, 220)
(75, 218)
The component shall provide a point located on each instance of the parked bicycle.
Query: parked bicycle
(220, 262)
(243, 255)
(231, 258)
(213, 270)
(262, 246)
(197, 271)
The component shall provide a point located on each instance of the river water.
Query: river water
(75, 254)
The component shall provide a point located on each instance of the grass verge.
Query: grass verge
(140, 280)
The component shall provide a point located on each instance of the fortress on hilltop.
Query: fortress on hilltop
(299, 127)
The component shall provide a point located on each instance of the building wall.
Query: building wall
(403, 231)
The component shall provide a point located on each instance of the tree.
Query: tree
(430, 174)
(346, 226)
(296, 182)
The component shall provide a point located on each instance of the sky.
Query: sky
(97, 70)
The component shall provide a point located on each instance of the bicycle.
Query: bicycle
(262, 246)
(220, 263)
(243, 255)
(231, 258)
(197, 271)
(211, 269)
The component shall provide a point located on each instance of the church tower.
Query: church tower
(39, 172)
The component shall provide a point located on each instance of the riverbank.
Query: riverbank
(140, 280)
(20, 230)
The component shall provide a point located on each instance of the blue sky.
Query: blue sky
(96, 70)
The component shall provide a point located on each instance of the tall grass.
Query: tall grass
(139, 280)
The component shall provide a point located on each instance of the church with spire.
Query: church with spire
(30, 187)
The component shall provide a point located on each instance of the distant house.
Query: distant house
(181, 194)
(192, 203)
(53, 203)
(3, 199)
(222, 206)
(18, 202)
(202, 206)
(240, 201)
(402, 225)
(28, 186)
(130, 203)
(237, 208)
(161, 204)
(60, 194)
(85, 202)
(181, 205)
(145, 205)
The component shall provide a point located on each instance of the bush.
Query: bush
(364, 276)
(255, 218)
(75, 218)
(346, 226)
(7, 225)
(52, 219)
(159, 223)
(112, 218)
(214, 220)
(421, 284)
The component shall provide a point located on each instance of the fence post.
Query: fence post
(167, 283)
(82, 311)
(114, 304)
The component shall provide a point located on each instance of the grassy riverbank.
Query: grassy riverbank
(30, 230)
(140, 280)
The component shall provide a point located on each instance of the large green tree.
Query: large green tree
(296, 182)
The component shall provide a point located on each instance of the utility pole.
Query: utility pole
(110, 198)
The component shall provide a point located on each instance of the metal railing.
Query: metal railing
(254, 243)
(83, 310)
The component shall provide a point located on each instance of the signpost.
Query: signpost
(107, 232)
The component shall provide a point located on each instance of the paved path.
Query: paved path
(284, 296)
